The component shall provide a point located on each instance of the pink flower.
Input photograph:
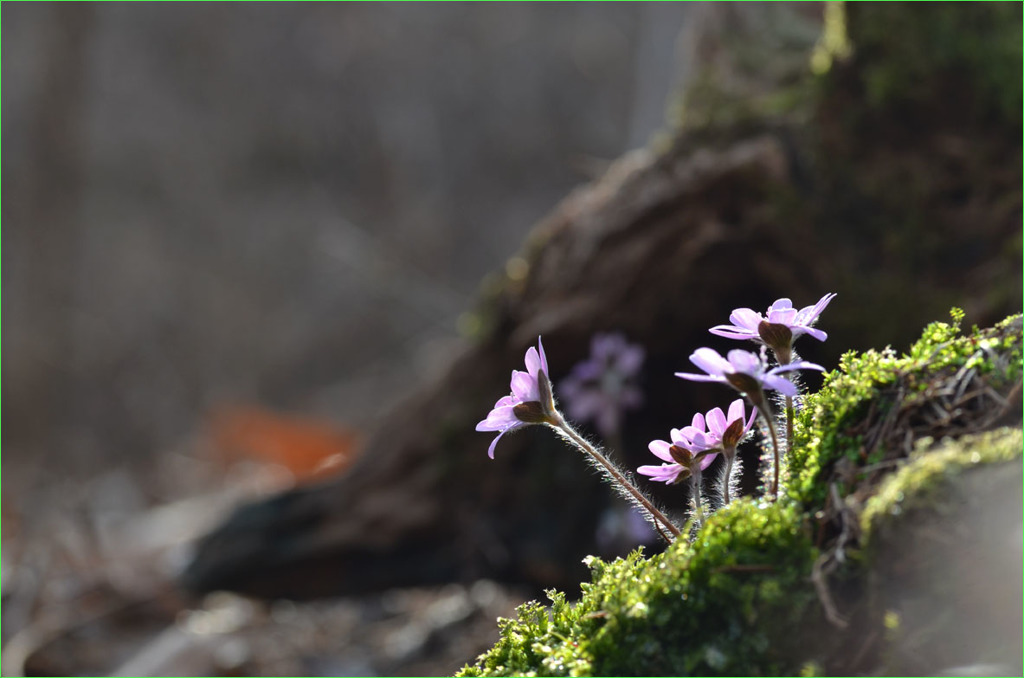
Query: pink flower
(684, 453)
(745, 371)
(529, 403)
(694, 447)
(722, 426)
(745, 321)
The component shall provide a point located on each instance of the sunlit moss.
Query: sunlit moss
(739, 599)
(923, 481)
(722, 604)
(826, 430)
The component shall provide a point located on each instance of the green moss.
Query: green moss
(739, 598)
(831, 425)
(926, 479)
(720, 605)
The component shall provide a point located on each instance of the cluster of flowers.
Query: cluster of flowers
(601, 388)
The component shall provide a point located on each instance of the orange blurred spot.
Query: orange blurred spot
(308, 447)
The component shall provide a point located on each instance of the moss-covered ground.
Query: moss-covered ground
(754, 593)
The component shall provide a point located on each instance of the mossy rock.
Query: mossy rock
(806, 585)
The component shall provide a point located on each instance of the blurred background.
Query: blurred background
(238, 237)
(235, 235)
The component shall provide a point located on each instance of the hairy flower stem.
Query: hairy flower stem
(762, 407)
(609, 468)
(698, 507)
(789, 424)
(728, 477)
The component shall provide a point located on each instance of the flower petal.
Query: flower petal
(532, 362)
(780, 384)
(659, 448)
(499, 419)
(524, 386)
(686, 436)
(744, 362)
(666, 473)
(730, 332)
(707, 461)
(710, 361)
(746, 319)
(810, 331)
(699, 377)
(543, 357)
(809, 314)
(750, 422)
(797, 365)
(490, 450)
(736, 411)
(716, 422)
(785, 316)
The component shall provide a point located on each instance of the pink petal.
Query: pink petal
(809, 314)
(736, 411)
(817, 334)
(730, 332)
(707, 461)
(490, 450)
(744, 362)
(543, 357)
(717, 422)
(750, 422)
(686, 436)
(499, 419)
(698, 377)
(532, 362)
(659, 448)
(710, 361)
(780, 384)
(524, 387)
(746, 319)
(666, 473)
(785, 316)
(798, 365)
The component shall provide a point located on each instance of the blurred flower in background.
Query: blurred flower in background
(601, 388)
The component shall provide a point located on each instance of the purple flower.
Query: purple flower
(724, 427)
(529, 403)
(745, 371)
(602, 387)
(683, 453)
(706, 432)
(778, 328)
